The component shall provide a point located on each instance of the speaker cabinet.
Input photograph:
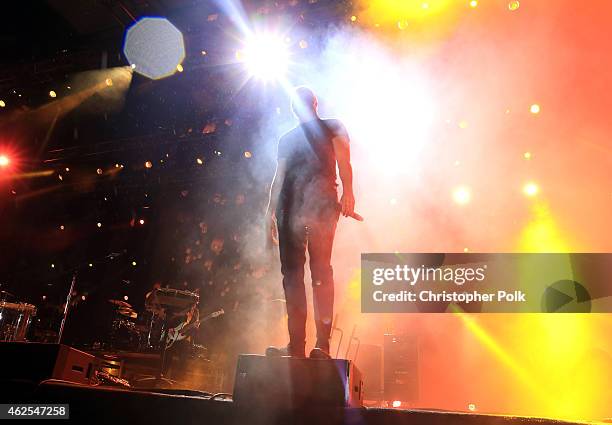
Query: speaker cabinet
(401, 368)
(285, 382)
(36, 362)
(370, 362)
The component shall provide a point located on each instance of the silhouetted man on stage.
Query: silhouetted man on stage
(303, 212)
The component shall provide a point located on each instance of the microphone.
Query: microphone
(352, 215)
(355, 216)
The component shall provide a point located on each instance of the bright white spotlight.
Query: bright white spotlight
(266, 56)
(462, 195)
(530, 189)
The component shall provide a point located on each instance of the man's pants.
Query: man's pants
(296, 234)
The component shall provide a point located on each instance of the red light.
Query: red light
(4, 161)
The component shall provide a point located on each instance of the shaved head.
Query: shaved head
(304, 103)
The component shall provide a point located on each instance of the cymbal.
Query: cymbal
(120, 304)
(128, 313)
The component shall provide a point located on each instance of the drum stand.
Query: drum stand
(75, 271)
(68, 299)
(160, 379)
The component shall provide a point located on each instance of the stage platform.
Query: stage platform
(113, 406)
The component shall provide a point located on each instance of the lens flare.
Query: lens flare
(514, 5)
(154, 47)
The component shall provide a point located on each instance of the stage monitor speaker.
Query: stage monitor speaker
(401, 368)
(36, 362)
(370, 361)
(285, 382)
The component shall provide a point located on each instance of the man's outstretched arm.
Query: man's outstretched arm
(342, 150)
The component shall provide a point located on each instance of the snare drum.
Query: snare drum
(15, 319)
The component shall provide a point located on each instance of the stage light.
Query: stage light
(154, 47)
(52, 94)
(179, 68)
(527, 155)
(531, 189)
(514, 5)
(266, 57)
(90, 264)
(109, 82)
(303, 44)
(396, 403)
(141, 221)
(125, 297)
(473, 4)
(466, 249)
(99, 224)
(463, 124)
(148, 164)
(134, 263)
(353, 18)
(248, 154)
(535, 109)
(542, 233)
(472, 407)
(99, 171)
(462, 195)
(4, 161)
(199, 161)
(2, 104)
(62, 227)
(52, 265)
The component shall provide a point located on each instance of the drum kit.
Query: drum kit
(129, 331)
(15, 318)
(144, 332)
(125, 334)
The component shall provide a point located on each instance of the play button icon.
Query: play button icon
(566, 296)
